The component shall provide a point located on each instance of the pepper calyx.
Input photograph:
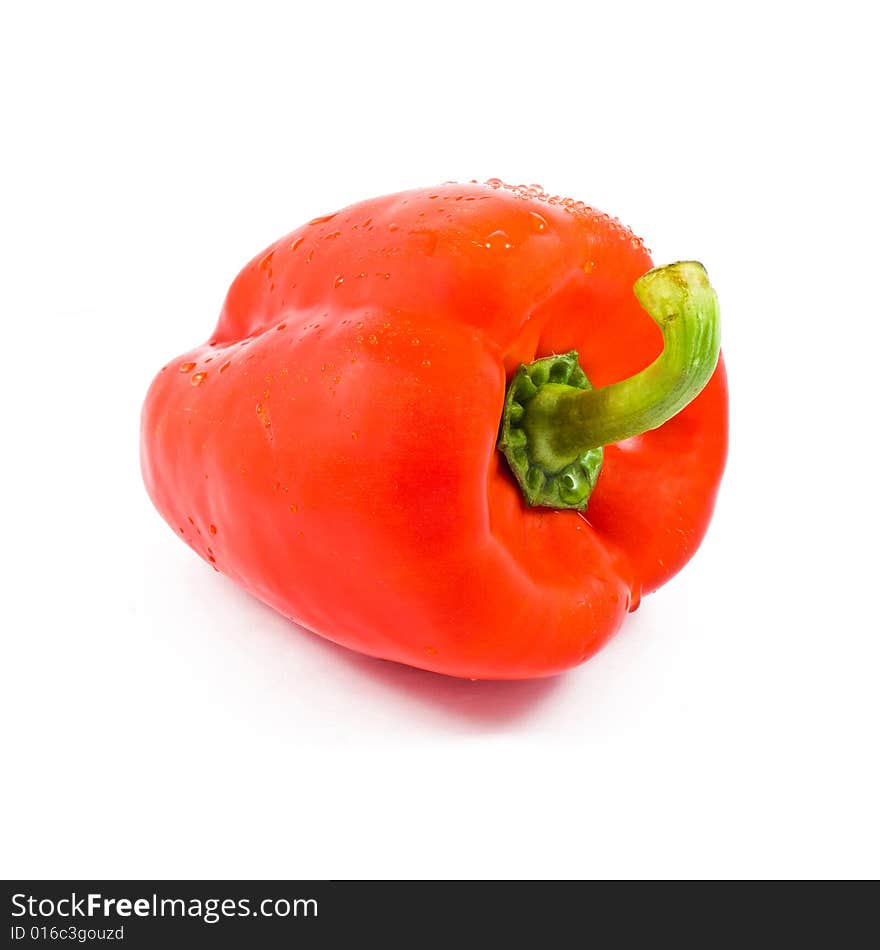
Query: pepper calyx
(571, 485)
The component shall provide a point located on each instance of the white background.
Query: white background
(159, 722)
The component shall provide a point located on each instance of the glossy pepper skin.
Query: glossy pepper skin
(332, 447)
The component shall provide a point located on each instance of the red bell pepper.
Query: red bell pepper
(440, 428)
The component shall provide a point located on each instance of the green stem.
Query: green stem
(562, 423)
